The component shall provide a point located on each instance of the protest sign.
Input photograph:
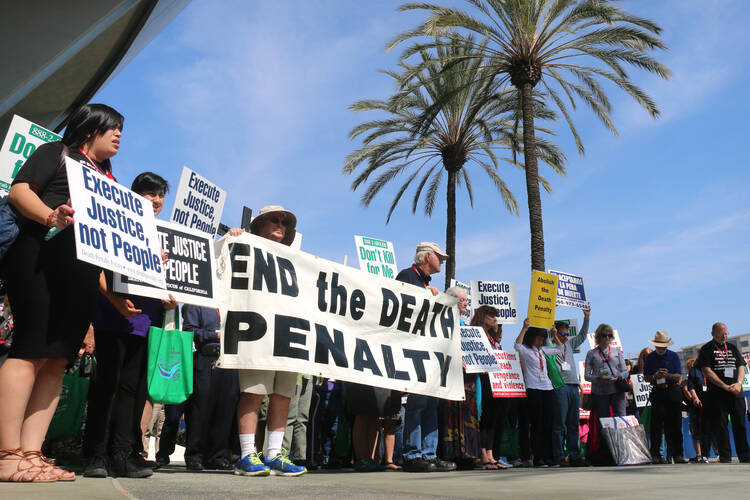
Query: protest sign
(20, 142)
(615, 343)
(585, 384)
(189, 272)
(198, 203)
(585, 389)
(291, 311)
(376, 256)
(508, 382)
(641, 390)
(570, 291)
(114, 226)
(498, 294)
(466, 316)
(542, 299)
(476, 351)
(746, 380)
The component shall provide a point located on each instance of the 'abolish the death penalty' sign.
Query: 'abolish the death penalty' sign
(114, 227)
(189, 272)
(291, 311)
(498, 294)
(542, 299)
(20, 142)
(198, 203)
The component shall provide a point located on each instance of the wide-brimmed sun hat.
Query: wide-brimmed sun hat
(290, 221)
(429, 246)
(661, 339)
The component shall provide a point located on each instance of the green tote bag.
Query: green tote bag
(170, 363)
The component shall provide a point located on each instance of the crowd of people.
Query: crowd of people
(259, 423)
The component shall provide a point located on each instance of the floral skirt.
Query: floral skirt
(459, 436)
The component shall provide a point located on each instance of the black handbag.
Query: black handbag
(621, 384)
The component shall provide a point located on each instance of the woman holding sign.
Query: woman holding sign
(51, 292)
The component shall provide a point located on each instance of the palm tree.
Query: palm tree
(441, 121)
(562, 49)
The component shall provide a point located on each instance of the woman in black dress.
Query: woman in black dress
(52, 293)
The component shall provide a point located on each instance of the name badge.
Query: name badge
(660, 381)
(729, 372)
(705, 388)
(565, 366)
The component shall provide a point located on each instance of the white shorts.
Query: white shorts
(267, 382)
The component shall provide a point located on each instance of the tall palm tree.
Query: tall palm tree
(441, 121)
(562, 49)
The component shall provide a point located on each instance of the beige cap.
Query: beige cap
(290, 222)
(661, 339)
(429, 246)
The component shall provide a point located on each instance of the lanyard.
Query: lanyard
(538, 352)
(106, 174)
(424, 285)
(726, 351)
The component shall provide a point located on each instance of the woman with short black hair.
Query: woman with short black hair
(51, 292)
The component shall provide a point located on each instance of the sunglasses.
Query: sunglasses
(278, 220)
(608, 336)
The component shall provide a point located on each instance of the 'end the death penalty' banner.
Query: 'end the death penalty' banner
(376, 256)
(476, 351)
(189, 272)
(466, 316)
(542, 299)
(508, 381)
(498, 294)
(114, 226)
(570, 290)
(198, 203)
(20, 142)
(291, 311)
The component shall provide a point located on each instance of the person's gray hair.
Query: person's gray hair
(420, 257)
(456, 290)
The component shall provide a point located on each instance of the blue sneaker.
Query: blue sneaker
(280, 465)
(251, 465)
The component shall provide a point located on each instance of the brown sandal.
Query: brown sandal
(59, 473)
(38, 474)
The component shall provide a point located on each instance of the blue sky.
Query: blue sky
(254, 96)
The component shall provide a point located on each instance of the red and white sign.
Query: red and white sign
(615, 341)
(508, 382)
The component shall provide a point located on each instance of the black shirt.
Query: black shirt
(721, 358)
(415, 276)
(44, 170)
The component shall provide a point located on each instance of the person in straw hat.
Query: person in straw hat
(277, 224)
(662, 369)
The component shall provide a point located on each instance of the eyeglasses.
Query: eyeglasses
(463, 300)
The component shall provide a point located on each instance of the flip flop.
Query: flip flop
(489, 466)
(391, 466)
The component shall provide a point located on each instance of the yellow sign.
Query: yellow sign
(542, 299)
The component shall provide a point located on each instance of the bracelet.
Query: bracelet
(46, 223)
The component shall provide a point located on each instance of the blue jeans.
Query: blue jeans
(565, 427)
(420, 427)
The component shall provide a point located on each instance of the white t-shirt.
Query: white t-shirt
(534, 366)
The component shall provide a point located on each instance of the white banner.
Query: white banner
(615, 344)
(467, 315)
(291, 311)
(508, 382)
(476, 352)
(376, 256)
(198, 203)
(20, 142)
(641, 390)
(115, 227)
(499, 294)
(190, 271)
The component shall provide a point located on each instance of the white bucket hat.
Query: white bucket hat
(290, 222)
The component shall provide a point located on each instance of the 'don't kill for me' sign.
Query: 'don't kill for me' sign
(376, 256)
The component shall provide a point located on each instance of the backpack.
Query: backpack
(10, 219)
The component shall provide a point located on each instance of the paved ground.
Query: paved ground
(712, 481)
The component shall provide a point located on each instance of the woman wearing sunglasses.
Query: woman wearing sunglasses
(604, 366)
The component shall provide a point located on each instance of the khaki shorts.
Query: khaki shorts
(267, 382)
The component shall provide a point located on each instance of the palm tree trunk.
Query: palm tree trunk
(532, 179)
(450, 227)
